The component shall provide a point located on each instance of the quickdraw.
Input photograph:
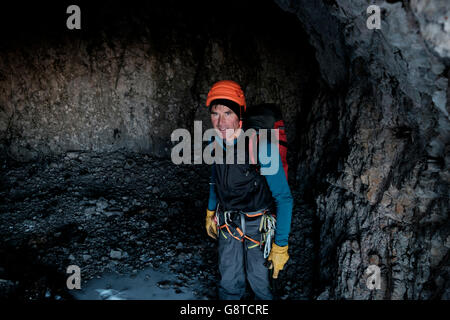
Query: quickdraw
(267, 230)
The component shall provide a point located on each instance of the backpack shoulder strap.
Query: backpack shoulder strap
(253, 147)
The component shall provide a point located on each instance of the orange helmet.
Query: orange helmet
(226, 89)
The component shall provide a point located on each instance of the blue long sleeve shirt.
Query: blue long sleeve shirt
(281, 193)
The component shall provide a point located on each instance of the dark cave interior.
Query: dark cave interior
(86, 118)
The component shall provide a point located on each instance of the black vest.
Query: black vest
(241, 186)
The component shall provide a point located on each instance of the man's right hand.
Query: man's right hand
(211, 226)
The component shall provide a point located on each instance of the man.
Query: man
(241, 202)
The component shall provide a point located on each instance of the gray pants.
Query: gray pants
(238, 262)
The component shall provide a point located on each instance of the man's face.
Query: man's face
(224, 120)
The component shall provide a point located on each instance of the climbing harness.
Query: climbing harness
(266, 227)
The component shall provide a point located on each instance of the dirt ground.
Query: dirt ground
(120, 213)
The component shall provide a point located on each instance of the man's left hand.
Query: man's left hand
(278, 256)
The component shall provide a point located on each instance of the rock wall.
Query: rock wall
(376, 148)
(135, 72)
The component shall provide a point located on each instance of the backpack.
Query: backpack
(267, 116)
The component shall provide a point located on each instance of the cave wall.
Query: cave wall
(376, 147)
(137, 71)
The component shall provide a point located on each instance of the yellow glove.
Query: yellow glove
(279, 256)
(211, 226)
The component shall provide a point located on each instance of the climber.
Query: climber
(242, 206)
